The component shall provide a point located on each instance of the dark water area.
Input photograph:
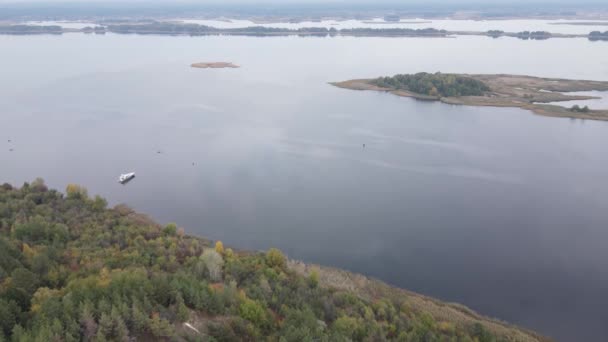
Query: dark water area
(496, 208)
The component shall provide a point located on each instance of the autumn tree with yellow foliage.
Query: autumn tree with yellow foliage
(219, 247)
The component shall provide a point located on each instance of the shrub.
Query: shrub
(254, 312)
(76, 191)
(275, 258)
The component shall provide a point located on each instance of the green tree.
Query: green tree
(254, 312)
(99, 203)
(182, 312)
(105, 325)
(345, 326)
(170, 229)
(8, 317)
(160, 327)
(140, 319)
(275, 258)
(25, 280)
(120, 331)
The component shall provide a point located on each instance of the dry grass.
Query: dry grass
(214, 65)
(451, 313)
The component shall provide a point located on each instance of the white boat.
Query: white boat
(125, 177)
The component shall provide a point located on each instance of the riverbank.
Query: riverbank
(153, 282)
(373, 289)
(526, 92)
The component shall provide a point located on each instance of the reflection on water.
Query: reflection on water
(496, 208)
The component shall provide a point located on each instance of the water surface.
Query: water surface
(496, 208)
(600, 102)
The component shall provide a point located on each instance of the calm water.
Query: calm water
(498, 209)
(601, 102)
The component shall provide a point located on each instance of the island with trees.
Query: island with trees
(532, 93)
(73, 269)
(525, 35)
(534, 35)
(598, 35)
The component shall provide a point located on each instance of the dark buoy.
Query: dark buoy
(363, 145)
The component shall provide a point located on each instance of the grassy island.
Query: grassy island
(527, 92)
(72, 269)
(213, 65)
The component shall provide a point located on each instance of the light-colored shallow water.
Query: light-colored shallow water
(64, 24)
(499, 209)
(600, 103)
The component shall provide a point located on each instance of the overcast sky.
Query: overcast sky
(345, 2)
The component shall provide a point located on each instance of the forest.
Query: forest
(436, 85)
(73, 269)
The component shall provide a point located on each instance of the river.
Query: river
(496, 208)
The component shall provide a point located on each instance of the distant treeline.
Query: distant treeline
(30, 29)
(537, 35)
(597, 35)
(436, 85)
(166, 28)
(195, 29)
(176, 28)
(96, 29)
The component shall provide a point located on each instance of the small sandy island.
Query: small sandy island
(214, 65)
(527, 92)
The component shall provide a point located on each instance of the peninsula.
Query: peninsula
(74, 269)
(532, 93)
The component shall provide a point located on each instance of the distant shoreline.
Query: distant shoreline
(583, 23)
(183, 29)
